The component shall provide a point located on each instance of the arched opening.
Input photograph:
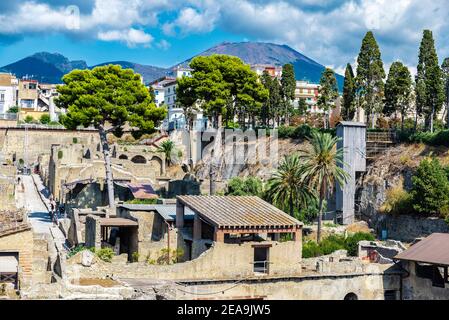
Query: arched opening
(139, 159)
(123, 157)
(351, 296)
(157, 165)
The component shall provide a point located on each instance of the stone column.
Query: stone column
(219, 235)
(179, 215)
(196, 228)
(297, 235)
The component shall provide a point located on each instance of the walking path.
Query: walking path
(36, 203)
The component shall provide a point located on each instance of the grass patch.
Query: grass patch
(334, 243)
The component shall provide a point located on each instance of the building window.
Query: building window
(168, 90)
(32, 86)
(156, 92)
(2, 97)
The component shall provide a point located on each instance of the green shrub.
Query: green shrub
(430, 189)
(14, 109)
(332, 243)
(77, 249)
(75, 140)
(60, 154)
(45, 119)
(398, 201)
(352, 242)
(135, 257)
(29, 119)
(251, 186)
(105, 254)
(142, 201)
(310, 249)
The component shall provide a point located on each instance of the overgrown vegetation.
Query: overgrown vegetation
(303, 131)
(429, 195)
(251, 186)
(334, 243)
(105, 254)
(142, 201)
(45, 119)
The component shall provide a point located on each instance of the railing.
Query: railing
(8, 116)
(261, 266)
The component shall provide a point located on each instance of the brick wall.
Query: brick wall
(21, 243)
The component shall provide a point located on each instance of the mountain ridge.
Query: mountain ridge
(51, 67)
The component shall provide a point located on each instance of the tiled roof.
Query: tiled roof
(239, 212)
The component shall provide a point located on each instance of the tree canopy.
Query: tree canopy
(222, 85)
(370, 75)
(348, 105)
(108, 95)
(429, 81)
(107, 98)
(398, 91)
(328, 92)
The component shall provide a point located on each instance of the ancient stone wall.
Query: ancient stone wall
(408, 227)
(14, 141)
(416, 288)
(222, 261)
(21, 243)
(320, 287)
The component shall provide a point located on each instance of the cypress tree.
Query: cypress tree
(288, 83)
(370, 76)
(429, 81)
(398, 90)
(348, 105)
(445, 69)
(328, 93)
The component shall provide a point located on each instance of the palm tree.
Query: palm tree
(287, 186)
(323, 166)
(167, 148)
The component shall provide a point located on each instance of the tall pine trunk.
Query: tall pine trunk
(107, 164)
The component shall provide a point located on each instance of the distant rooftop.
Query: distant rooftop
(432, 250)
(237, 212)
(167, 211)
(351, 124)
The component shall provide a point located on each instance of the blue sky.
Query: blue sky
(165, 32)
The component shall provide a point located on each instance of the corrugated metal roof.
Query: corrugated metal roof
(168, 212)
(233, 211)
(432, 250)
(351, 124)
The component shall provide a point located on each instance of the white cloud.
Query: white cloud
(330, 31)
(163, 44)
(131, 37)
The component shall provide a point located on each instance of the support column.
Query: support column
(196, 228)
(179, 215)
(297, 235)
(219, 235)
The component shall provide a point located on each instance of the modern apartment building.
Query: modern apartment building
(309, 92)
(8, 92)
(274, 71)
(165, 94)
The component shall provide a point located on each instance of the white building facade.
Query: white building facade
(8, 92)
